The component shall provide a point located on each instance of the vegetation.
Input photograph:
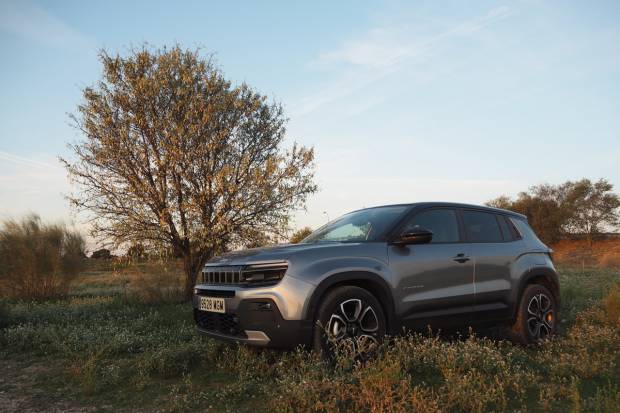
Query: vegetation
(300, 234)
(582, 207)
(176, 157)
(110, 345)
(102, 253)
(38, 260)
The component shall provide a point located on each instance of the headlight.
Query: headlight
(263, 273)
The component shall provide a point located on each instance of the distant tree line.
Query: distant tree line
(574, 207)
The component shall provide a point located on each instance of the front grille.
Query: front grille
(222, 275)
(226, 324)
(246, 275)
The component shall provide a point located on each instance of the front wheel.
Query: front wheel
(349, 317)
(537, 315)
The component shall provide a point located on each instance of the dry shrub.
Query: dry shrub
(155, 281)
(610, 260)
(38, 260)
(611, 304)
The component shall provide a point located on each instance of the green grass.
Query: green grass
(101, 347)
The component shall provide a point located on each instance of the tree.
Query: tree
(259, 239)
(175, 155)
(572, 207)
(300, 234)
(545, 213)
(136, 250)
(592, 207)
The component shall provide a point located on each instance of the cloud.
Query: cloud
(378, 48)
(28, 20)
(32, 163)
(380, 53)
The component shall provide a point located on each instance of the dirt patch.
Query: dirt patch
(21, 389)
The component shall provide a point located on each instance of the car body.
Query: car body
(434, 264)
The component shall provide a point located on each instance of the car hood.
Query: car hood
(272, 253)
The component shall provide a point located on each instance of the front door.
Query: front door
(435, 281)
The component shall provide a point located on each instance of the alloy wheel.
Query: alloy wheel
(540, 316)
(356, 323)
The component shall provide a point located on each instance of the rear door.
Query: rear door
(434, 281)
(491, 246)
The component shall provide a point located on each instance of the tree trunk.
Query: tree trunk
(192, 265)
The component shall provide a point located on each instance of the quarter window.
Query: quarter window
(481, 227)
(442, 222)
(506, 232)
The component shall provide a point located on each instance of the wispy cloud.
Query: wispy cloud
(32, 22)
(380, 53)
(19, 160)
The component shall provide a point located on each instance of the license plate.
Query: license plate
(212, 304)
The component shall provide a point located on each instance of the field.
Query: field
(122, 342)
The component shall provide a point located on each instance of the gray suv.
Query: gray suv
(383, 270)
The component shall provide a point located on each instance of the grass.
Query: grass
(106, 346)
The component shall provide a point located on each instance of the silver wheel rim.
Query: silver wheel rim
(540, 316)
(355, 322)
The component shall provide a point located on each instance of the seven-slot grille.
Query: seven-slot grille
(255, 274)
(222, 275)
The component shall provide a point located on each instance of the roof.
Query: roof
(454, 205)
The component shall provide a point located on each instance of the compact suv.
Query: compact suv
(381, 270)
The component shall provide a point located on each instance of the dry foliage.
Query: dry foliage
(580, 207)
(38, 260)
(300, 234)
(603, 253)
(175, 156)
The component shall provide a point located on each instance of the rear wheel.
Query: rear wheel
(349, 317)
(537, 315)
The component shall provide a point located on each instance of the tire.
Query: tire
(537, 315)
(349, 316)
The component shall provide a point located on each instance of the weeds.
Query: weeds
(38, 260)
(114, 344)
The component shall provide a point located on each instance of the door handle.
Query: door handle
(461, 258)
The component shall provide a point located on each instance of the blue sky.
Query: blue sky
(402, 101)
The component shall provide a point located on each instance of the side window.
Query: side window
(481, 227)
(506, 232)
(442, 222)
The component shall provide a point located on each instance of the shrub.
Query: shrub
(4, 314)
(38, 260)
(102, 253)
(611, 304)
(610, 260)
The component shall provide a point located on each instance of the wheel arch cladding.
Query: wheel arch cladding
(369, 281)
(542, 276)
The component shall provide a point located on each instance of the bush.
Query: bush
(102, 253)
(610, 260)
(4, 314)
(38, 260)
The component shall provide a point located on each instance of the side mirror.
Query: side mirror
(417, 236)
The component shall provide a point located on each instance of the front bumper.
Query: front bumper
(264, 316)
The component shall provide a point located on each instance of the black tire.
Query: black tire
(537, 315)
(356, 308)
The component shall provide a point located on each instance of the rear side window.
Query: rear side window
(481, 227)
(525, 230)
(442, 222)
(506, 230)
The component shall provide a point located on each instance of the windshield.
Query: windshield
(365, 225)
